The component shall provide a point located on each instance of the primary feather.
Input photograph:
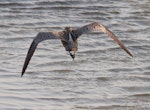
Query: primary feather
(39, 38)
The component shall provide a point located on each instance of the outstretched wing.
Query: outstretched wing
(39, 38)
(97, 27)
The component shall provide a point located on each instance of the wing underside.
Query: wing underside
(99, 27)
(39, 38)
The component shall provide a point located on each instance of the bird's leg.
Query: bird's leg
(72, 55)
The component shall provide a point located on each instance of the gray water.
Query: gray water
(102, 77)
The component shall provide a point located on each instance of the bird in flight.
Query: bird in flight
(69, 39)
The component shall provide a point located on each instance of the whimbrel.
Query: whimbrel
(69, 39)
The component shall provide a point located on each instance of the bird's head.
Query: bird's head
(68, 29)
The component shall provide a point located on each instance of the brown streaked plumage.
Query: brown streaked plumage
(69, 39)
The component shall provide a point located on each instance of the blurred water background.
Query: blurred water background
(102, 77)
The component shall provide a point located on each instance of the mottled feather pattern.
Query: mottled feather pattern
(47, 35)
(99, 27)
(88, 28)
(70, 45)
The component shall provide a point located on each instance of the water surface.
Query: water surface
(102, 77)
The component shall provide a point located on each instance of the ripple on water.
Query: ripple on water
(102, 76)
